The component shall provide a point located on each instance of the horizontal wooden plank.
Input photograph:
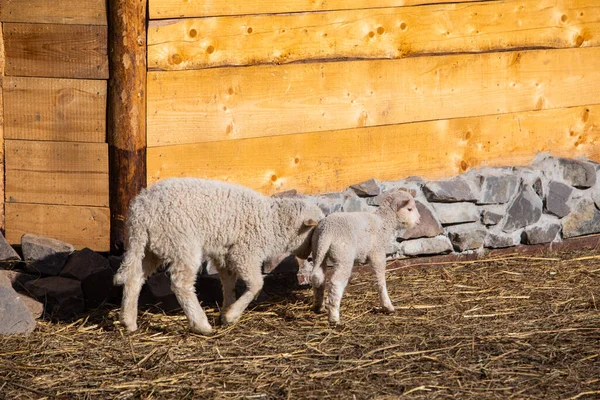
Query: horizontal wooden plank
(52, 50)
(55, 109)
(373, 33)
(25, 155)
(330, 161)
(161, 9)
(236, 103)
(92, 12)
(67, 188)
(80, 226)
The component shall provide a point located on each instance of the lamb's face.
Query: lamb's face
(407, 215)
(308, 219)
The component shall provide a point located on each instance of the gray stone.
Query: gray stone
(557, 198)
(7, 279)
(532, 177)
(367, 188)
(496, 239)
(426, 246)
(525, 209)
(159, 288)
(44, 255)
(94, 273)
(62, 297)
(584, 219)
(7, 253)
(456, 213)
(429, 226)
(17, 278)
(545, 231)
(355, 204)
(577, 173)
(466, 236)
(498, 189)
(15, 317)
(286, 194)
(451, 190)
(330, 202)
(491, 217)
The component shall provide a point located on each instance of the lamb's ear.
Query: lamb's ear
(310, 222)
(401, 204)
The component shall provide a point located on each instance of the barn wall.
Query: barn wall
(54, 92)
(319, 95)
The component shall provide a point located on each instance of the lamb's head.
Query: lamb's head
(298, 219)
(401, 206)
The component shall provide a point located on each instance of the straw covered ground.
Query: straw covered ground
(499, 328)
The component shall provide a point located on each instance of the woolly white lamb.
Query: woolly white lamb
(183, 221)
(343, 238)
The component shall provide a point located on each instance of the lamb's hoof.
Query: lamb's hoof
(130, 326)
(389, 310)
(205, 331)
(227, 320)
(317, 309)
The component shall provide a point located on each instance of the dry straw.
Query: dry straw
(502, 328)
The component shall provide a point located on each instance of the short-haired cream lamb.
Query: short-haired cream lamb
(343, 238)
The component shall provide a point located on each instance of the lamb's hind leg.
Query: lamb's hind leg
(378, 265)
(342, 270)
(183, 279)
(228, 279)
(317, 280)
(249, 271)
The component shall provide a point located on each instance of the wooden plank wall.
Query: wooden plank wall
(319, 95)
(54, 91)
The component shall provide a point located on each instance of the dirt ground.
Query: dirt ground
(520, 327)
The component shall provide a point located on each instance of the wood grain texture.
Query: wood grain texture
(52, 50)
(126, 118)
(55, 109)
(80, 226)
(56, 156)
(1, 127)
(386, 33)
(91, 12)
(330, 161)
(161, 9)
(67, 188)
(236, 103)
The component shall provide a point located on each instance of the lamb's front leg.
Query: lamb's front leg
(342, 270)
(378, 265)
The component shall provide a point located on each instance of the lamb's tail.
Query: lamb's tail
(320, 247)
(131, 266)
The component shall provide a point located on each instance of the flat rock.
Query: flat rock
(426, 246)
(456, 213)
(453, 190)
(15, 317)
(44, 255)
(355, 204)
(94, 272)
(496, 239)
(7, 253)
(557, 199)
(498, 189)
(533, 177)
(429, 226)
(578, 173)
(584, 219)
(63, 297)
(545, 231)
(330, 202)
(466, 236)
(525, 209)
(367, 188)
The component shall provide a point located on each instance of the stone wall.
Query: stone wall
(547, 201)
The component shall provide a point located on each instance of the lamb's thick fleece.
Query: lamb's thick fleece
(343, 238)
(183, 221)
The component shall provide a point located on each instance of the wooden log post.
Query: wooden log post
(2, 61)
(126, 120)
